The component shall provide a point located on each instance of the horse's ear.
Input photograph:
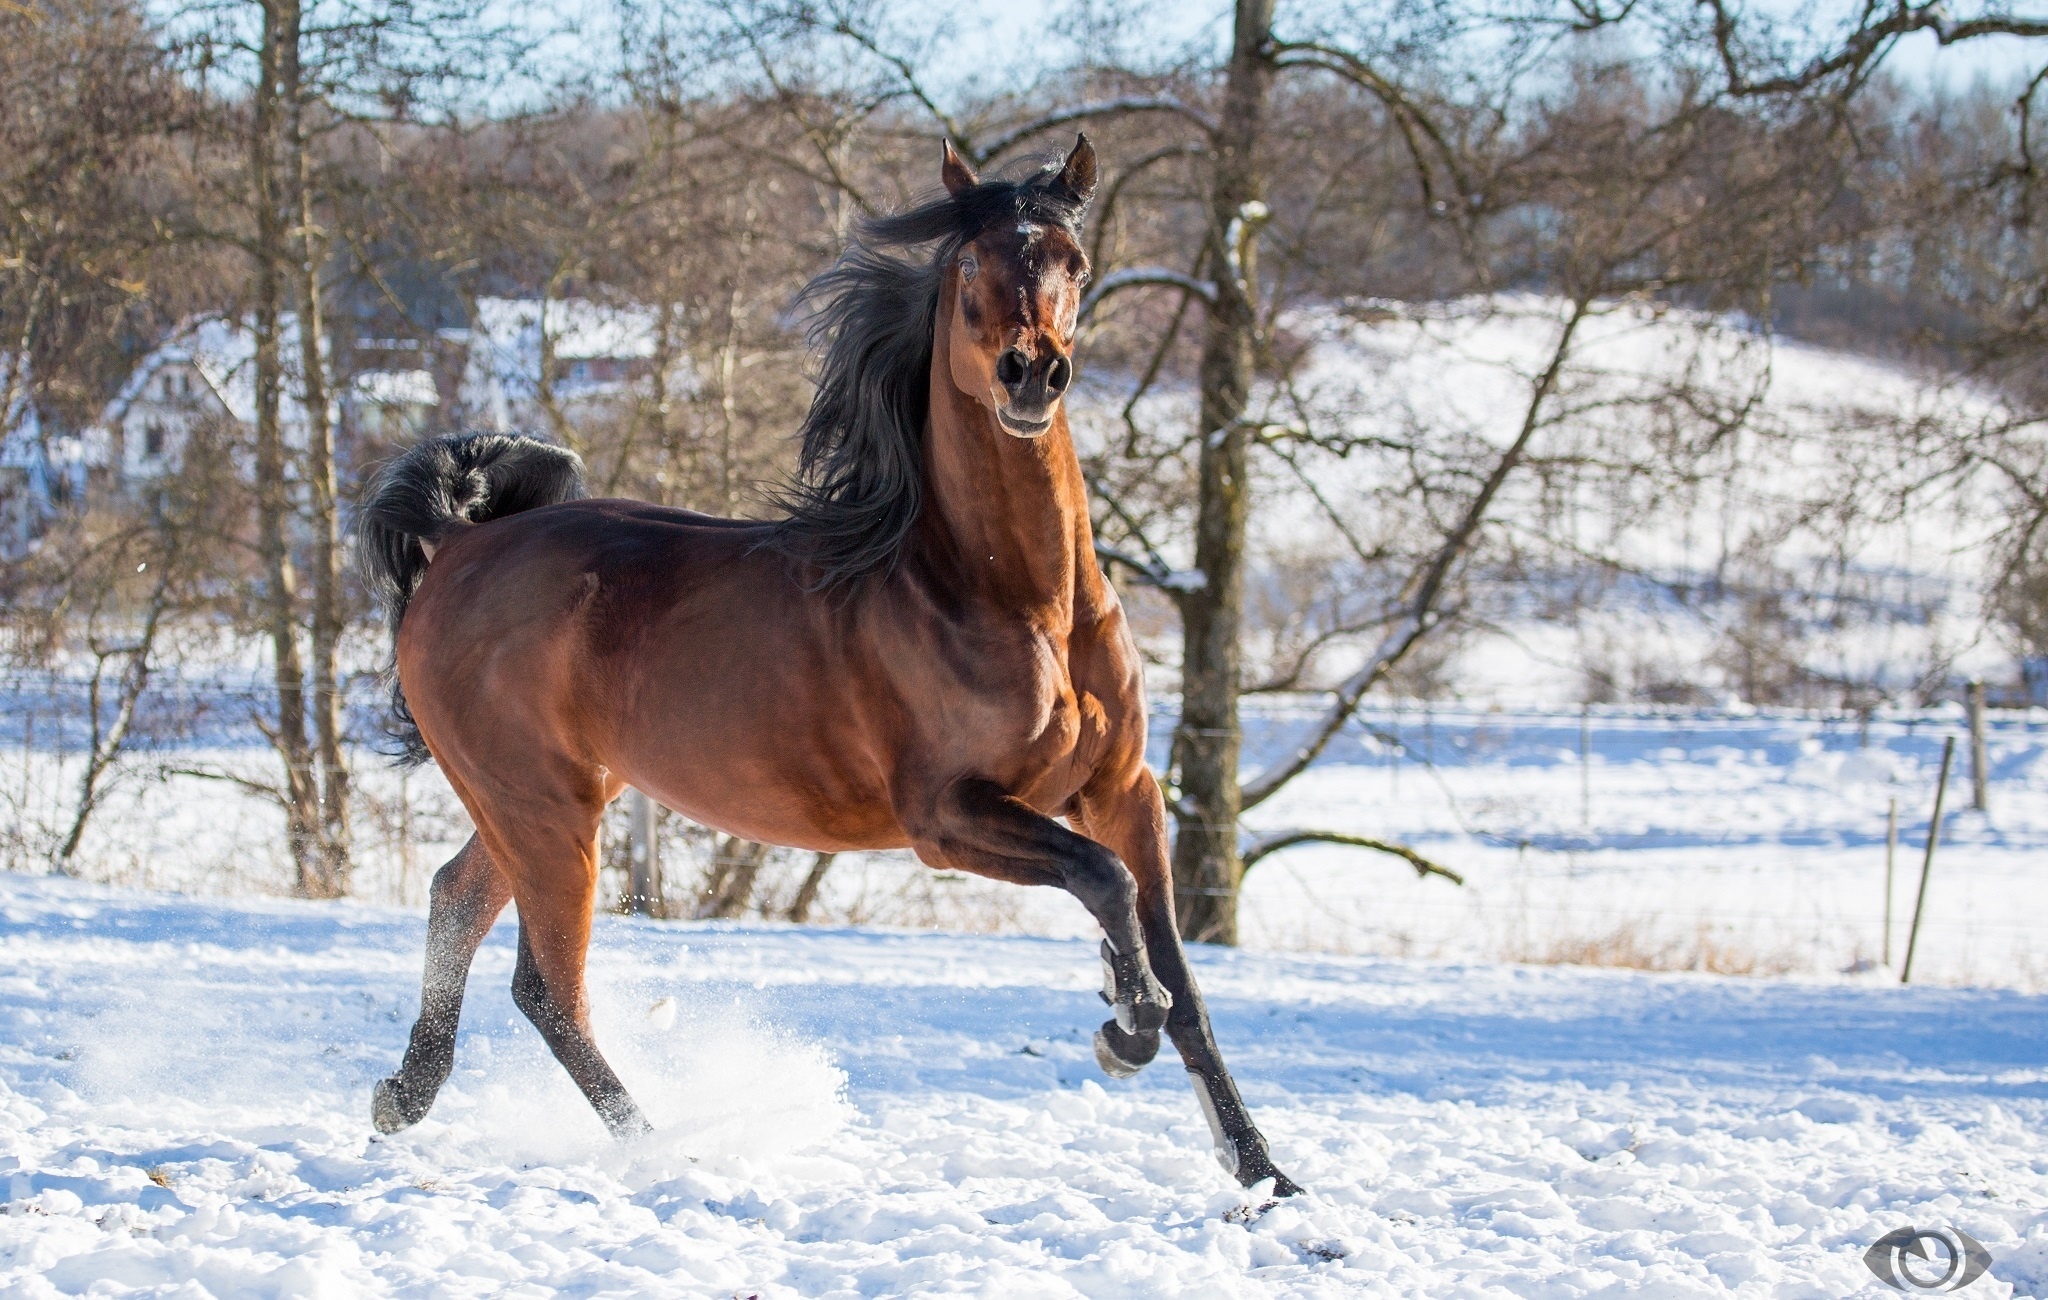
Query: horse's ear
(959, 177)
(1077, 178)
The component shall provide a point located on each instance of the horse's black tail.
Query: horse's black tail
(429, 494)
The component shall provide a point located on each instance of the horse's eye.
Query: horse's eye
(1084, 279)
(968, 266)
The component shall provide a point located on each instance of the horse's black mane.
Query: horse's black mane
(859, 481)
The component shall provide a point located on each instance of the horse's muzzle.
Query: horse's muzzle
(1018, 426)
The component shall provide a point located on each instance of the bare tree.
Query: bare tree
(311, 75)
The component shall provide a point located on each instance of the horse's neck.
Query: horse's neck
(1012, 511)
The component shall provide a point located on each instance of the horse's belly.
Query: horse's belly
(749, 793)
(841, 832)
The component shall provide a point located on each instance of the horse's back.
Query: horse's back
(521, 614)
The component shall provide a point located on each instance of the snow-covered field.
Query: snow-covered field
(1743, 842)
(184, 1092)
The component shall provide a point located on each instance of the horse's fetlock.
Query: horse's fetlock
(1139, 1001)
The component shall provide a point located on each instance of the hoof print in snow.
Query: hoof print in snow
(1122, 1055)
(1250, 1211)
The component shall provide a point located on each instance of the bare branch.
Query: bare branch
(1425, 586)
(1148, 572)
(911, 84)
(1132, 276)
(1083, 112)
(258, 788)
(1409, 117)
(1106, 205)
(1287, 839)
(1860, 52)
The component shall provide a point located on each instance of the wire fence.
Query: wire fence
(1763, 827)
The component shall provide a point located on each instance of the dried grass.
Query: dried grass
(1633, 945)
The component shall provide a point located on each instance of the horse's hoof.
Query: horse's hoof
(386, 1111)
(1122, 1055)
(1258, 1169)
(625, 1121)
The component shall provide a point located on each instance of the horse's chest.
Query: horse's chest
(1034, 714)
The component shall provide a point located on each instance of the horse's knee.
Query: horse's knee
(1097, 877)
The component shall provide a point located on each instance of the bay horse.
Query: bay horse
(923, 654)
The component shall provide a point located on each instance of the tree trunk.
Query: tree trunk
(807, 893)
(643, 887)
(279, 597)
(331, 853)
(1206, 871)
(734, 866)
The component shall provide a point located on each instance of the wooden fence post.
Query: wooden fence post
(1891, 853)
(1586, 765)
(1980, 773)
(1948, 753)
(643, 893)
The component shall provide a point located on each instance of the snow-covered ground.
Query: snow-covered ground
(1743, 842)
(184, 1095)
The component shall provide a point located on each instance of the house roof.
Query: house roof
(503, 372)
(581, 330)
(396, 388)
(223, 352)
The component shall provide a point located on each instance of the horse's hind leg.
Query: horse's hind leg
(549, 987)
(538, 818)
(467, 895)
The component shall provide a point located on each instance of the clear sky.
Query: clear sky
(967, 46)
(1007, 42)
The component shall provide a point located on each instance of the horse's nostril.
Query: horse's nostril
(1011, 367)
(1058, 375)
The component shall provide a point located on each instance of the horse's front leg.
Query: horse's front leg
(1125, 812)
(979, 827)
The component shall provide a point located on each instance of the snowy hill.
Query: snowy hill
(1696, 495)
(184, 1090)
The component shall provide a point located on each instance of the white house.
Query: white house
(204, 372)
(392, 404)
(599, 351)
